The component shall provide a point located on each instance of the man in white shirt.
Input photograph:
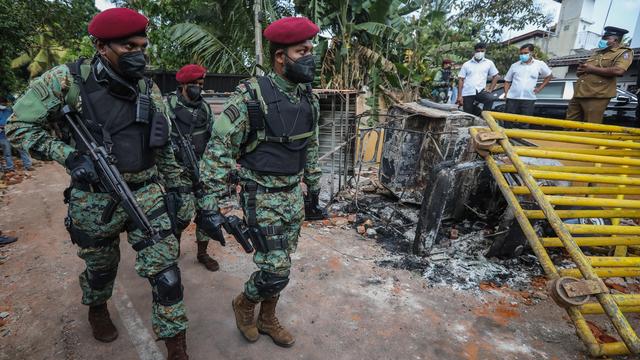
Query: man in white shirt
(472, 83)
(520, 83)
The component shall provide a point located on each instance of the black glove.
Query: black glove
(312, 209)
(210, 222)
(81, 168)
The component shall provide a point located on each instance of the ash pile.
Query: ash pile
(433, 205)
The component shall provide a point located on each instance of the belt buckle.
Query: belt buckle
(251, 186)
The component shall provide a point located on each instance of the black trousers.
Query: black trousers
(521, 107)
(467, 105)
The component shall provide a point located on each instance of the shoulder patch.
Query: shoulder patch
(232, 113)
(40, 89)
(626, 55)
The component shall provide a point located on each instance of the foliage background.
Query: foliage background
(391, 48)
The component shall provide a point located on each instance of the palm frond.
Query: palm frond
(208, 49)
(21, 61)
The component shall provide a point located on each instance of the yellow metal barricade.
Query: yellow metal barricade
(602, 165)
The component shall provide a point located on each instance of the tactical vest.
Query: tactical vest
(193, 122)
(278, 139)
(115, 126)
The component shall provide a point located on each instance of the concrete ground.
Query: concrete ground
(339, 304)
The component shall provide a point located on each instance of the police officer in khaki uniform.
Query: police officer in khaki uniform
(596, 83)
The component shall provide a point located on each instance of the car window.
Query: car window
(552, 91)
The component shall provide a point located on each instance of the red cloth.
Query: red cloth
(117, 23)
(291, 30)
(190, 73)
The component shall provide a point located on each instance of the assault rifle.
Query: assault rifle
(111, 179)
(191, 161)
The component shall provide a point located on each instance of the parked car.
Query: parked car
(553, 101)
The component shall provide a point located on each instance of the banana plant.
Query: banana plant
(44, 55)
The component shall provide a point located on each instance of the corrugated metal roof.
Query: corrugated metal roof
(575, 59)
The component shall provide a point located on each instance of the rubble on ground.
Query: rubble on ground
(458, 261)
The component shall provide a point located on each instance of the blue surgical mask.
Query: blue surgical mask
(602, 44)
(524, 57)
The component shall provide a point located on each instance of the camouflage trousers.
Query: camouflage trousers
(286, 210)
(86, 211)
(187, 212)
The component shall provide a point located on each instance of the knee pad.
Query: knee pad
(167, 286)
(270, 284)
(99, 279)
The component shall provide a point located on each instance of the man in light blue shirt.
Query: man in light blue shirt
(520, 82)
(5, 112)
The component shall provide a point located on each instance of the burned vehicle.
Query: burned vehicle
(430, 160)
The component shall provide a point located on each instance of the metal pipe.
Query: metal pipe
(599, 135)
(603, 229)
(605, 272)
(567, 155)
(532, 134)
(578, 190)
(618, 320)
(576, 214)
(588, 178)
(576, 169)
(595, 202)
(594, 241)
(602, 152)
(615, 261)
(566, 124)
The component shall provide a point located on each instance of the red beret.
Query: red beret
(190, 73)
(291, 30)
(117, 23)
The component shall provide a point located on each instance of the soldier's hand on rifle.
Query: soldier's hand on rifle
(312, 208)
(81, 168)
(211, 221)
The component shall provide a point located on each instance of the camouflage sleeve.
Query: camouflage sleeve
(312, 171)
(219, 159)
(168, 167)
(28, 125)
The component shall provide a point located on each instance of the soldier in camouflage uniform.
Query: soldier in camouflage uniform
(124, 111)
(192, 120)
(270, 127)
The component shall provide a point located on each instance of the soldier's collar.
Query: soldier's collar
(282, 83)
(117, 86)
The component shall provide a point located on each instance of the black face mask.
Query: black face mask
(301, 71)
(194, 92)
(132, 64)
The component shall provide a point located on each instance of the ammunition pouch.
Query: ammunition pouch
(159, 135)
(264, 238)
(173, 201)
(82, 239)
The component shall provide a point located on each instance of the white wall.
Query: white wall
(635, 41)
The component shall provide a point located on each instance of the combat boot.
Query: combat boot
(268, 323)
(177, 346)
(245, 319)
(101, 324)
(210, 263)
